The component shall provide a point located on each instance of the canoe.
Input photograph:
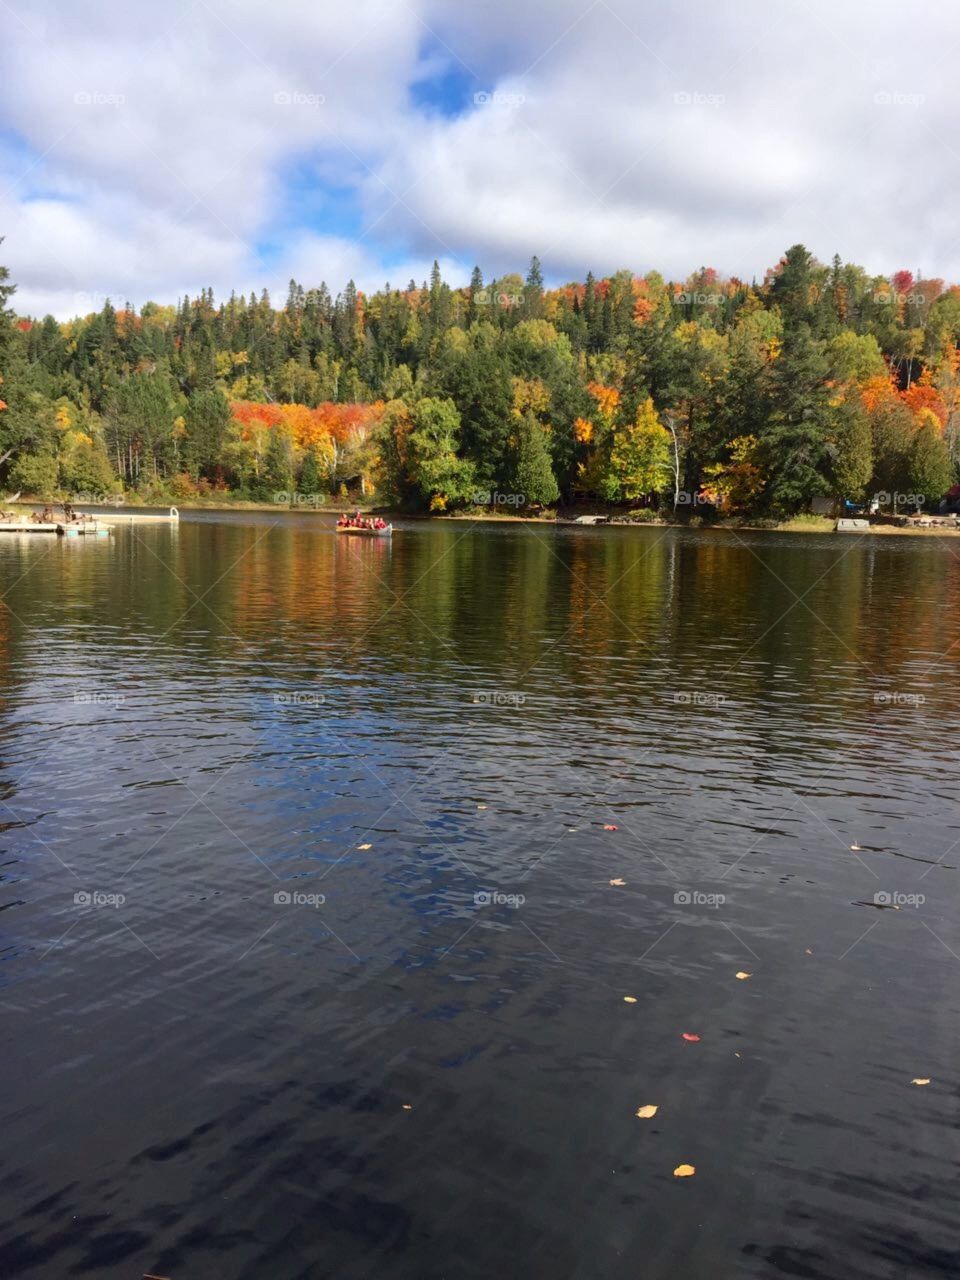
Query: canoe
(367, 533)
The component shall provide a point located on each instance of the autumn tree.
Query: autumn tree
(640, 457)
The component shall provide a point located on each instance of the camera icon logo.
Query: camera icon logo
(682, 898)
(482, 898)
(282, 898)
(82, 899)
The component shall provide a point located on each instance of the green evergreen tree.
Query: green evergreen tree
(277, 475)
(795, 437)
(533, 480)
(207, 419)
(310, 481)
(931, 470)
(850, 448)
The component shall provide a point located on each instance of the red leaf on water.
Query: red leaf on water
(608, 826)
(688, 1035)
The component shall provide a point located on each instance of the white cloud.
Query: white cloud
(152, 154)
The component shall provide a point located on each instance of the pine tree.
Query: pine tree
(533, 291)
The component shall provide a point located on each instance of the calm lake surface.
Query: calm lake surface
(312, 965)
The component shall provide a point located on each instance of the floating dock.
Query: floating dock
(59, 528)
(145, 517)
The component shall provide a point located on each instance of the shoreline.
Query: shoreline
(803, 525)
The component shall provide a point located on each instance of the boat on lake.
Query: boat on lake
(385, 532)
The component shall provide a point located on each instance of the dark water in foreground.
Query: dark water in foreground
(202, 1081)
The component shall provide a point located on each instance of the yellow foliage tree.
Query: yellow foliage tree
(736, 483)
(640, 457)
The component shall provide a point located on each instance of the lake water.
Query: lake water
(311, 960)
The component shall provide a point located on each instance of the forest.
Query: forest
(716, 395)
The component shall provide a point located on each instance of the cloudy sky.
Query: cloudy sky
(149, 149)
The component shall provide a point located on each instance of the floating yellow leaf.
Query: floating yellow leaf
(618, 882)
(630, 999)
(920, 1080)
(364, 846)
(743, 976)
(684, 1171)
(808, 952)
(407, 1106)
(647, 1112)
(481, 806)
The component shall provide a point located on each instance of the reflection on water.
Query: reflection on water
(314, 940)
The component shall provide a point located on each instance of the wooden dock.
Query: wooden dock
(58, 528)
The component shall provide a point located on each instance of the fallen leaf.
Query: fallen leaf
(743, 976)
(684, 1171)
(647, 1112)
(807, 952)
(481, 806)
(618, 882)
(609, 826)
(688, 1035)
(407, 1106)
(364, 846)
(855, 846)
(735, 1054)
(921, 1080)
(630, 999)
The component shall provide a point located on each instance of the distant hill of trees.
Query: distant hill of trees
(754, 397)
